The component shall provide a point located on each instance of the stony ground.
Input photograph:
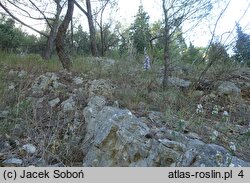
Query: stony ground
(74, 119)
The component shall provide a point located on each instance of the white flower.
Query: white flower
(215, 110)
(225, 116)
(225, 113)
(216, 133)
(11, 87)
(232, 146)
(199, 108)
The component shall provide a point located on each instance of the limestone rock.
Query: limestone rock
(68, 105)
(13, 161)
(228, 88)
(78, 80)
(49, 81)
(100, 87)
(22, 74)
(119, 140)
(174, 81)
(95, 104)
(54, 102)
(177, 146)
(209, 155)
(29, 148)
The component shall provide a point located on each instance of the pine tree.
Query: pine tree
(242, 47)
(140, 30)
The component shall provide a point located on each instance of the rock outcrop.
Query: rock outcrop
(115, 137)
(100, 87)
(229, 88)
(177, 82)
(74, 120)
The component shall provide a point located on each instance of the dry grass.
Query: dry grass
(137, 90)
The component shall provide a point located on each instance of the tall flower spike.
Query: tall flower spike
(147, 64)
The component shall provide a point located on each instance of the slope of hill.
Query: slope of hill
(113, 113)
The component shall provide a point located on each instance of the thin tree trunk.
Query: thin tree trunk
(102, 31)
(49, 46)
(60, 48)
(72, 37)
(166, 66)
(92, 31)
(51, 41)
(53, 32)
(166, 47)
(102, 41)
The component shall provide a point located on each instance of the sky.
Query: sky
(200, 36)
(129, 8)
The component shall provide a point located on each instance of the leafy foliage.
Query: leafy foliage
(192, 54)
(81, 42)
(218, 52)
(177, 45)
(15, 40)
(10, 36)
(107, 39)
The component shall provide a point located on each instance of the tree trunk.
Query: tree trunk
(60, 48)
(102, 41)
(166, 46)
(51, 41)
(72, 38)
(49, 46)
(102, 31)
(166, 66)
(92, 31)
(53, 32)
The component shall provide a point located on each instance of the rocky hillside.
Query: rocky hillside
(72, 119)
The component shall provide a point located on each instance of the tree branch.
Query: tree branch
(79, 6)
(203, 73)
(41, 13)
(17, 19)
(25, 11)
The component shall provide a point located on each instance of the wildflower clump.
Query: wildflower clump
(199, 109)
(215, 110)
(225, 116)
